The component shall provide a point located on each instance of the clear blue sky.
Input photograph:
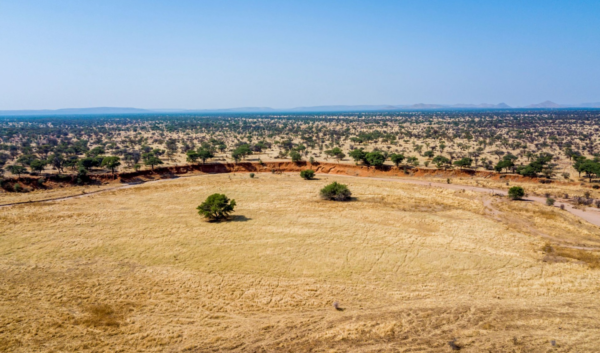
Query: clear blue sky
(221, 54)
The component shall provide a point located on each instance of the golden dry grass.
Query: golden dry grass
(413, 268)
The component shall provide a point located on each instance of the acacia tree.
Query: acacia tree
(358, 155)
(296, 156)
(16, 170)
(216, 207)
(307, 174)
(38, 165)
(204, 154)
(463, 162)
(397, 159)
(375, 158)
(111, 162)
(336, 192)
(440, 161)
(516, 193)
(152, 161)
(336, 153)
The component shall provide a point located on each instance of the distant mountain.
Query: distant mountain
(342, 108)
(76, 111)
(321, 108)
(546, 104)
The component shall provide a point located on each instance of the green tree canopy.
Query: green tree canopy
(111, 162)
(216, 207)
(336, 192)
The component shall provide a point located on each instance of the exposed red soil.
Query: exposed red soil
(53, 181)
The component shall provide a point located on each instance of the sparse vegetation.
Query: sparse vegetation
(267, 279)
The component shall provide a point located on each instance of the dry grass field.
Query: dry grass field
(413, 268)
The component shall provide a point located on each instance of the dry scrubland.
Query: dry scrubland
(413, 267)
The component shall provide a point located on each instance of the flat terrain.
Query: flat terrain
(414, 267)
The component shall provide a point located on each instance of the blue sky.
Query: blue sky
(221, 54)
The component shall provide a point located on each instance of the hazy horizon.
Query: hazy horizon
(230, 54)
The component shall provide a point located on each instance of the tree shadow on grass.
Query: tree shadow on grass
(239, 218)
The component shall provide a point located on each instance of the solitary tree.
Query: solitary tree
(216, 207)
(336, 192)
(308, 174)
(516, 193)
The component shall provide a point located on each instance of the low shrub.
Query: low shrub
(307, 174)
(251, 175)
(550, 201)
(516, 193)
(336, 192)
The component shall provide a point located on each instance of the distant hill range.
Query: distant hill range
(322, 108)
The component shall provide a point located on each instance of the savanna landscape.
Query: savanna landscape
(466, 231)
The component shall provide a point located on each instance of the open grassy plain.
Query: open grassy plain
(413, 267)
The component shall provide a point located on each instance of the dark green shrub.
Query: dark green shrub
(336, 192)
(216, 207)
(251, 175)
(516, 193)
(550, 201)
(41, 182)
(17, 187)
(307, 174)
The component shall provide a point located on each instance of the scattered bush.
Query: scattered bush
(336, 192)
(516, 193)
(308, 174)
(582, 201)
(596, 187)
(216, 207)
(17, 187)
(550, 201)
(251, 175)
(40, 182)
